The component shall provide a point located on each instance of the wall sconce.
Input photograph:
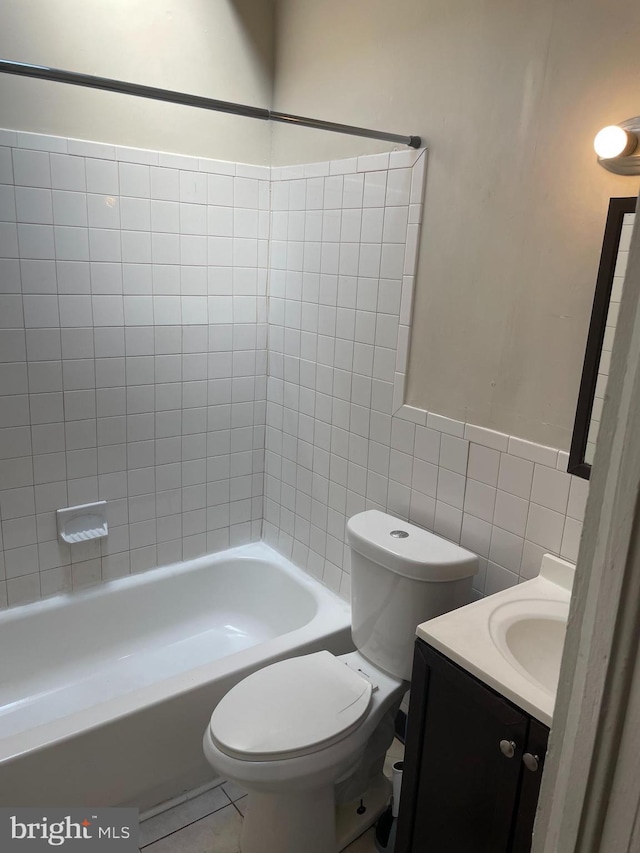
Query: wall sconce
(618, 147)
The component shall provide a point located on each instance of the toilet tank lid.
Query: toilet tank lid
(420, 555)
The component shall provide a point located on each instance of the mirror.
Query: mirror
(604, 316)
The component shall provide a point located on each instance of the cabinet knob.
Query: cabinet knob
(508, 748)
(531, 762)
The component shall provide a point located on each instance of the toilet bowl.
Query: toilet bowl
(307, 736)
(291, 745)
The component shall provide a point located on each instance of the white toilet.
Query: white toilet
(307, 737)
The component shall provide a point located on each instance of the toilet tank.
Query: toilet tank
(401, 575)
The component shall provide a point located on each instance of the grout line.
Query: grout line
(191, 823)
(233, 803)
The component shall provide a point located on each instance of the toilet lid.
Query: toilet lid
(293, 707)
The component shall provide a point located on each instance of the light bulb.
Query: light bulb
(614, 141)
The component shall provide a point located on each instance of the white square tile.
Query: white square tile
(31, 168)
(398, 187)
(395, 224)
(134, 180)
(448, 521)
(220, 190)
(483, 464)
(103, 211)
(375, 184)
(550, 488)
(475, 535)
(545, 527)
(36, 241)
(425, 477)
(506, 549)
(104, 244)
(454, 453)
(135, 213)
(451, 487)
(40, 311)
(515, 475)
(165, 183)
(72, 244)
(511, 513)
(106, 278)
(69, 208)
(33, 205)
(74, 276)
(102, 176)
(22, 590)
(43, 344)
(68, 173)
(75, 311)
(498, 578)
(392, 260)
(108, 310)
(479, 500)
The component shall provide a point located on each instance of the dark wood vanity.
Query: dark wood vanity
(472, 767)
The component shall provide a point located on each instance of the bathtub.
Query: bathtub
(105, 693)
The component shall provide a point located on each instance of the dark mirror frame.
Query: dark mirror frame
(618, 207)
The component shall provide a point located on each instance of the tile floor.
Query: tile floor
(210, 822)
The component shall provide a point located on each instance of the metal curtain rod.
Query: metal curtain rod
(42, 72)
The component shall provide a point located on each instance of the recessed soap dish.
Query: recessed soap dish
(84, 522)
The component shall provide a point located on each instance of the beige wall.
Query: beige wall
(508, 96)
(217, 48)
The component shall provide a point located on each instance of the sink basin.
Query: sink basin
(530, 635)
(512, 640)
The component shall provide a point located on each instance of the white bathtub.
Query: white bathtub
(105, 694)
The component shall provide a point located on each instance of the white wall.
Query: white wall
(508, 96)
(216, 48)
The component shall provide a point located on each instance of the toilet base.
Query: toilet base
(350, 824)
(309, 821)
(294, 823)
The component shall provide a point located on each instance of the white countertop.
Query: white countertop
(474, 637)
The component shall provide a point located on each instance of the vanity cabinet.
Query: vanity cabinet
(473, 765)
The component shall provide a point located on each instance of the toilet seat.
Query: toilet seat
(290, 708)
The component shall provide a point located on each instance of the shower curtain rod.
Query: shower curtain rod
(43, 72)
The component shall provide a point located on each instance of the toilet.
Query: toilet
(306, 737)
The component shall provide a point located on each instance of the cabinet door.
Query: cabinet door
(530, 786)
(461, 788)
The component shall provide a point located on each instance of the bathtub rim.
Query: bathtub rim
(333, 615)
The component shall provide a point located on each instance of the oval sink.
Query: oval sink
(530, 635)
(537, 644)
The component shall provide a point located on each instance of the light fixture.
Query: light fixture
(618, 147)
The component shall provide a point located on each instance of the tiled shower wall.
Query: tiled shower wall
(339, 438)
(133, 362)
(132, 356)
